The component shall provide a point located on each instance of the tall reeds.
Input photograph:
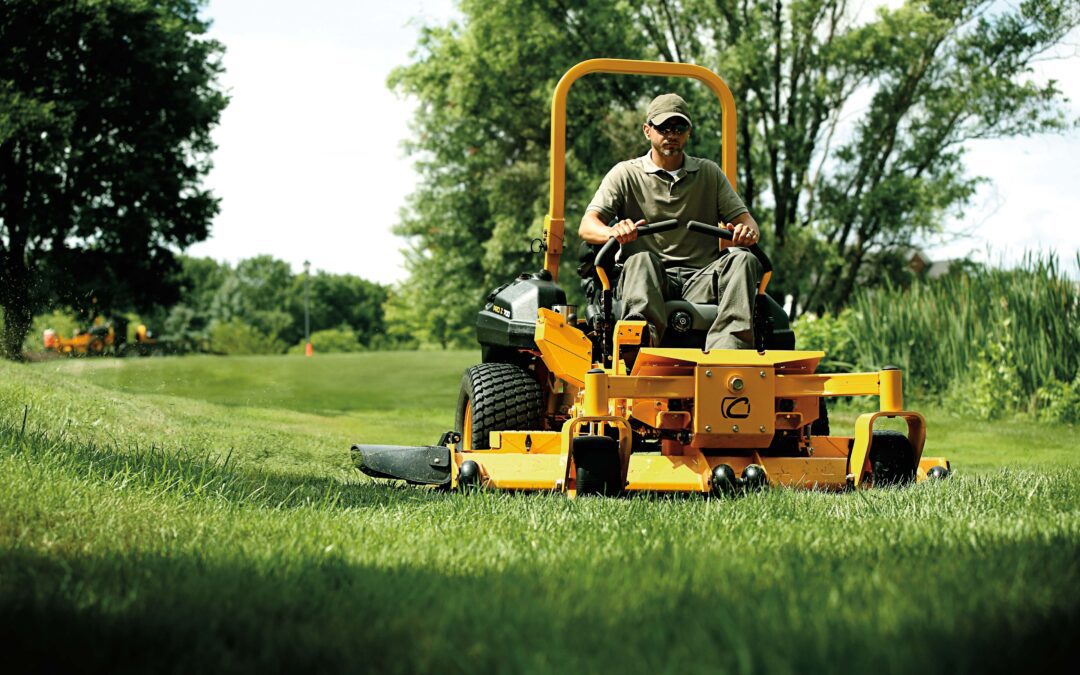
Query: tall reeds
(1025, 319)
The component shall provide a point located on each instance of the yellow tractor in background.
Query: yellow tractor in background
(103, 338)
(558, 404)
(95, 341)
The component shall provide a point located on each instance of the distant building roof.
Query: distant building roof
(922, 265)
(918, 262)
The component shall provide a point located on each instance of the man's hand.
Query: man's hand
(626, 230)
(745, 233)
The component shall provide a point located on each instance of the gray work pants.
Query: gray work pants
(729, 282)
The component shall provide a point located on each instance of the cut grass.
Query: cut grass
(330, 401)
(327, 384)
(269, 412)
(152, 532)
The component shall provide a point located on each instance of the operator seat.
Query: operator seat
(688, 322)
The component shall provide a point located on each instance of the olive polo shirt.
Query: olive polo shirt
(638, 189)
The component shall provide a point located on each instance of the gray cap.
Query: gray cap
(666, 106)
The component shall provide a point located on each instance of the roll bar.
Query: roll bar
(555, 220)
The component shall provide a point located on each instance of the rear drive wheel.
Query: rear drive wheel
(892, 459)
(599, 471)
(497, 397)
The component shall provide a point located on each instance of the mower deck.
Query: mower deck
(751, 421)
(825, 469)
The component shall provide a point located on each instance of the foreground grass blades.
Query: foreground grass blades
(136, 552)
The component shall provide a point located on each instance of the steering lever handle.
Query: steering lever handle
(722, 233)
(607, 251)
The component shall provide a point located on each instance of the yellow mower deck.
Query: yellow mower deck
(734, 424)
(827, 469)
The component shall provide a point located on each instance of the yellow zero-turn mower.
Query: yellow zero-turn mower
(554, 405)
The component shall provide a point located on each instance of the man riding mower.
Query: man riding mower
(622, 396)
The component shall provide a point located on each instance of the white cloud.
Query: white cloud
(309, 163)
(1032, 202)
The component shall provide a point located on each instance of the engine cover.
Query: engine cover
(508, 318)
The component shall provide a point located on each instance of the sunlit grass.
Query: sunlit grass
(162, 531)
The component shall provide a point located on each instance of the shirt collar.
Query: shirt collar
(690, 164)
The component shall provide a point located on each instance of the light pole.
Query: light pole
(308, 350)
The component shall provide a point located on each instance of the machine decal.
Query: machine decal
(735, 407)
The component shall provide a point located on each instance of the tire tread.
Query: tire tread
(504, 397)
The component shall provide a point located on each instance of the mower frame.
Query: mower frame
(711, 416)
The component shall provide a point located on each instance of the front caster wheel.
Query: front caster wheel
(723, 481)
(469, 477)
(892, 459)
(937, 473)
(754, 478)
(598, 466)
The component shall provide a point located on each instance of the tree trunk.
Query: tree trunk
(14, 273)
(15, 299)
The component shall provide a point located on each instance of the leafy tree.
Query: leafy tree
(198, 280)
(256, 292)
(484, 88)
(264, 293)
(851, 136)
(337, 300)
(106, 108)
(431, 310)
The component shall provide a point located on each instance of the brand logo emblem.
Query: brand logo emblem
(735, 407)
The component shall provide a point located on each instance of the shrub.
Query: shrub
(237, 338)
(976, 331)
(1059, 401)
(333, 340)
(830, 334)
(993, 388)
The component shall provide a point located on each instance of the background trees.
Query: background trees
(851, 135)
(261, 302)
(106, 109)
(851, 140)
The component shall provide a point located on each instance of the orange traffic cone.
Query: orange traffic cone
(308, 349)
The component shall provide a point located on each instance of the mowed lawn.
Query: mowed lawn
(199, 513)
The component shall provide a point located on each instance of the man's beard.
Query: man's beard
(669, 152)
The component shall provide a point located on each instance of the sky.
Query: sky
(310, 164)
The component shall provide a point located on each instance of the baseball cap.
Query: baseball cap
(666, 106)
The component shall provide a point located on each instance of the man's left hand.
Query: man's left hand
(744, 234)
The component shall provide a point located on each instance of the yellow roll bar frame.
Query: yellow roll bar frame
(555, 220)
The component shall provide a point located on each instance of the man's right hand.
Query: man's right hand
(626, 230)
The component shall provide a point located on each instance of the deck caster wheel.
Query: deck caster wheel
(598, 466)
(754, 477)
(892, 459)
(723, 481)
(469, 476)
(937, 473)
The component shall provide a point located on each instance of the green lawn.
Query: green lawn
(199, 513)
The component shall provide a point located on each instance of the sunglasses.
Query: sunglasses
(672, 128)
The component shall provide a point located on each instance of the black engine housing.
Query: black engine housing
(508, 319)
